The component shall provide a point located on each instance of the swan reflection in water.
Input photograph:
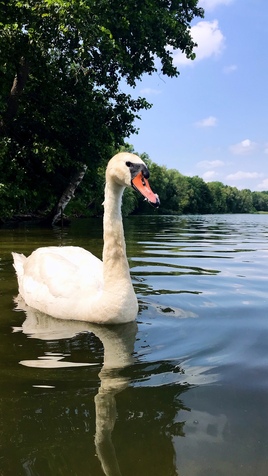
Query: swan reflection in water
(158, 410)
(118, 345)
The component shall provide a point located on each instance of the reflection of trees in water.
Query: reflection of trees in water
(158, 249)
(51, 431)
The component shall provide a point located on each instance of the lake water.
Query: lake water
(184, 391)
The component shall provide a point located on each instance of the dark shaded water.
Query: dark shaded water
(186, 391)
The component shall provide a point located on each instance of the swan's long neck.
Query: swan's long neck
(114, 251)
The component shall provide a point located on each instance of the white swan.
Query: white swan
(69, 282)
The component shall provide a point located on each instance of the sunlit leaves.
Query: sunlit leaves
(67, 106)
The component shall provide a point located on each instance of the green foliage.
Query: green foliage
(61, 105)
(218, 197)
(61, 65)
(200, 198)
(260, 201)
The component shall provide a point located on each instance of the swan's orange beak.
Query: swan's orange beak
(141, 184)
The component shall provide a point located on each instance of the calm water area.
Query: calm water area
(183, 391)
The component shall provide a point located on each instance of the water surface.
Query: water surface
(183, 391)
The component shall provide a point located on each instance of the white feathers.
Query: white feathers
(70, 283)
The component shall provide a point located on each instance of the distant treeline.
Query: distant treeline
(178, 194)
(192, 195)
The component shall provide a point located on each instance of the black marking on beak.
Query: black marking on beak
(136, 168)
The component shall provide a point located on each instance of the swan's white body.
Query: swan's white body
(71, 283)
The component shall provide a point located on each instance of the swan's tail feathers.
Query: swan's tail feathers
(18, 264)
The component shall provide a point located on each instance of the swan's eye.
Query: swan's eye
(128, 164)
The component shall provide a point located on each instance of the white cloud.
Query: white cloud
(209, 175)
(210, 121)
(209, 38)
(211, 4)
(207, 164)
(243, 175)
(263, 185)
(230, 69)
(243, 148)
(150, 91)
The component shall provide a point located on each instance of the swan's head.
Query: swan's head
(128, 170)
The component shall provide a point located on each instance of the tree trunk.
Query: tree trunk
(17, 88)
(68, 193)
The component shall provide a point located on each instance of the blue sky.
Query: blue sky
(212, 120)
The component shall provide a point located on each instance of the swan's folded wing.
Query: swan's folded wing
(62, 272)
